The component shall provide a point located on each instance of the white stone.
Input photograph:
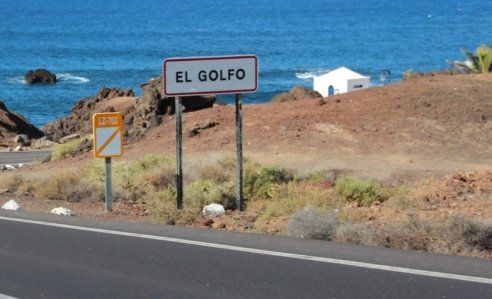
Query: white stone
(61, 211)
(213, 210)
(9, 167)
(11, 205)
(18, 148)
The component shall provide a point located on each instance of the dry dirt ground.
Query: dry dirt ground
(435, 124)
(424, 127)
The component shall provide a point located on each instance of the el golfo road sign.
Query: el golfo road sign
(108, 130)
(210, 75)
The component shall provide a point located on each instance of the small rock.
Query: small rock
(18, 148)
(8, 167)
(22, 139)
(2, 191)
(40, 76)
(213, 210)
(61, 211)
(69, 137)
(11, 205)
(171, 222)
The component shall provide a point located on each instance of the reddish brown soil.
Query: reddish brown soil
(438, 123)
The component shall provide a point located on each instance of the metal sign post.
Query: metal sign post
(191, 76)
(108, 131)
(179, 152)
(239, 151)
(108, 192)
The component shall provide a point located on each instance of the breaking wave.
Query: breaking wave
(69, 78)
(61, 77)
(15, 80)
(310, 74)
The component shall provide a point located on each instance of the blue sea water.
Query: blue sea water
(122, 43)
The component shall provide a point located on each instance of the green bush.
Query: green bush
(203, 192)
(364, 192)
(65, 150)
(289, 198)
(259, 181)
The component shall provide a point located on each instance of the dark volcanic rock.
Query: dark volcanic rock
(296, 93)
(80, 120)
(139, 114)
(152, 92)
(42, 76)
(12, 124)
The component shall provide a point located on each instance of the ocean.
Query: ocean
(122, 43)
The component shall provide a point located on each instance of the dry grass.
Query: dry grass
(61, 185)
(457, 235)
(68, 149)
(312, 224)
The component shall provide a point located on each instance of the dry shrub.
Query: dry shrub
(12, 182)
(163, 207)
(216, 173)
(289, 198)
(159, 178)
(312, 224)
(134, 178)
(457, 235)
(354, 214)
(66, 186)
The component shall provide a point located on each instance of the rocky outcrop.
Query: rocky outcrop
(152, 91)
(41, 76)
(80, 120)
(139, 114)
(13, 124)
(296, 93)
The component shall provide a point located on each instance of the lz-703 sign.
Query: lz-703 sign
(108, 128)
(210, 75)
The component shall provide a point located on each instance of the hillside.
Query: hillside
(436, 122)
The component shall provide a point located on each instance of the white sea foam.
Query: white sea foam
(62, 78)
(69, 78)
(310, 74)
(16, 80)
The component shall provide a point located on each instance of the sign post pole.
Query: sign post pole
(108, 193)
(179, 152)
(239, 151)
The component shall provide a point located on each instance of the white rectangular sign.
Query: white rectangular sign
(210, 75)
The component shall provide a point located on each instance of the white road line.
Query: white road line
(263, 252)
(2, 296)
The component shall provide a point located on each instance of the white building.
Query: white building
(341, 80)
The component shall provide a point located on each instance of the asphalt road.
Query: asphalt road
(45, 256)
(22, 157)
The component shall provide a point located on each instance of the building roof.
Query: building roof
(342, 72)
